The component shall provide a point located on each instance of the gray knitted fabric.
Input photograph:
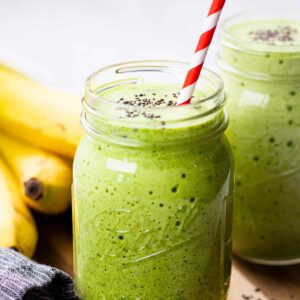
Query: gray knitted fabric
(23, 279)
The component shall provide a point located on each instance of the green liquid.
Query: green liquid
(264, 107)
(152, 222)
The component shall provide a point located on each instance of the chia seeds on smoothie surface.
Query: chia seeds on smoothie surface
(283, 34)
(133, 104)
(144, 100)
(147, 100)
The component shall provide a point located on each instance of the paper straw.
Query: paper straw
(200, 52)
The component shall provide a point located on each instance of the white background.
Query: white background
(60, 42)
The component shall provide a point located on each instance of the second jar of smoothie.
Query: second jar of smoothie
(260, 61)
(152, 187)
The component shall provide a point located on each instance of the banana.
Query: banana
(44, 178)
(37, 114)
(17, 226)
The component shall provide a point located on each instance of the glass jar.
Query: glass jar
(260, 62)
(152, 187)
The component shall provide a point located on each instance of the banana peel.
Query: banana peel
(17, 226)
(39, 115)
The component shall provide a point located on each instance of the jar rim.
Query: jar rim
(108, 118)
(181, 64)
(168, 66)
(230, 40)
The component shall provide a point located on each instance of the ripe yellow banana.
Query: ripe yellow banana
(39, 115)
(17, 226)
(45, 179)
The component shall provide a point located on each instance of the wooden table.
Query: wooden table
(249, 282)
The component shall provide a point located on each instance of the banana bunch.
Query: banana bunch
(39, 132)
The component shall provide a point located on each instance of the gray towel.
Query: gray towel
(23, 279)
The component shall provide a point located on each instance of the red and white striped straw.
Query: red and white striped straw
(200, 52)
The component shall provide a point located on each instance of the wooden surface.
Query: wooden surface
(249, 282)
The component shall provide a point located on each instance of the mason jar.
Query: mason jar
(260, 63)
(152, 202)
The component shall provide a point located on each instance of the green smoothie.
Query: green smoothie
(152, 208)
(260, 60)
